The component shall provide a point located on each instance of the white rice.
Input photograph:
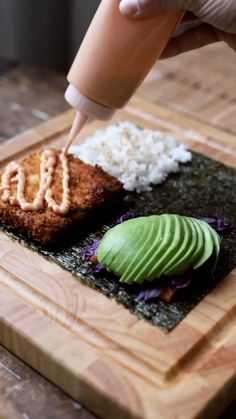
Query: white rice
(139, 158)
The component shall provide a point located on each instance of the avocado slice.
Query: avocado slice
(140, 273)
(169, 245)
(185, 262)
(117, 244)
(138, 259)
(207, 248)
(184, 244)
(110, 244)
(127, 259)
(217, 240)
(216, 244)
(201, 240)
(121, 242)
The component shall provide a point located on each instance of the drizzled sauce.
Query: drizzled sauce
(79, 121)
(15, 173)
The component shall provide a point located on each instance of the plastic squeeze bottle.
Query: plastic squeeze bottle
(113, 60)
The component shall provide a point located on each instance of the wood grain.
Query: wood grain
(28, 97)
(199, 84)
(25, 394)
(92, 347)
(23, 104)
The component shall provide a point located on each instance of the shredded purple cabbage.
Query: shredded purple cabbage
(149, 294)
(181, 282)
(98, 268)
(166, 289)
(127, 216)
(220, 224)
(89, 251)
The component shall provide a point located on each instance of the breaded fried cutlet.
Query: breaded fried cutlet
(91, 191)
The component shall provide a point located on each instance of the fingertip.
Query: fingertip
(128, 8)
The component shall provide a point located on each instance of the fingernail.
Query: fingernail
(128, 7)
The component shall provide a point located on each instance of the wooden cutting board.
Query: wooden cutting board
(93, 348)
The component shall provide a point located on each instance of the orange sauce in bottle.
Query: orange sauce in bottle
(118, 52)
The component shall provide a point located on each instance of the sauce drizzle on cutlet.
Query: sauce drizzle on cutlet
(15, 173)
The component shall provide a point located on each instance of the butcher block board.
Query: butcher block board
(92, 347)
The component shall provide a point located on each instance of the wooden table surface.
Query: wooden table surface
(28, 96)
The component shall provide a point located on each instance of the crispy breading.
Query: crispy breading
(91, 191)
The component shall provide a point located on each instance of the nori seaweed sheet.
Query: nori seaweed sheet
(202, 187)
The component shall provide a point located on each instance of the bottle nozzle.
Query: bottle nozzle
(79, 121)
(86, 105)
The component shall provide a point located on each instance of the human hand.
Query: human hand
(217, 20)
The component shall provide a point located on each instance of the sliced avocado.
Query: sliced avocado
(117, 244)
(114, 238)
(177, 240)
(185, 262)
(207, 248)
(201, 241)
(138, 259)
(146, 248)
(216, 249)
(153, 253)
(137, 229)
(139, 271)
(184, 244)
(128, 257)
(110, 244)
(168, 247)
